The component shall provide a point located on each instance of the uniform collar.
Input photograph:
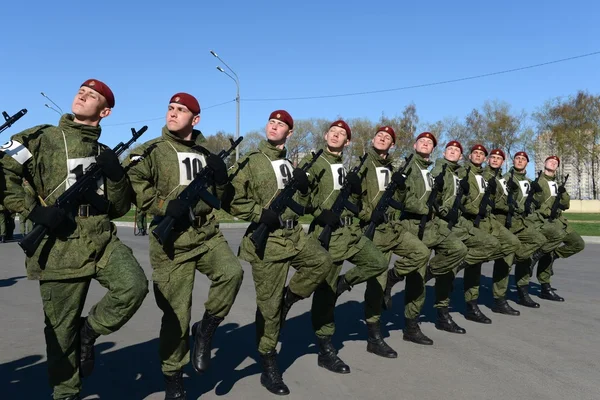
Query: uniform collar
(91, 132)
(197, 137)
(272, 151)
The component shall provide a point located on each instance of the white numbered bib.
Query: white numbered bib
(283, 172)
(383, 177)
(503, 184)
(338, 172)
(428, 179)
(481, 183)
(525, 185)
(553, 188)
(190, 164)
(77, 167)
(17, 151)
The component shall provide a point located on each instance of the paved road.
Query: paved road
(549, 353)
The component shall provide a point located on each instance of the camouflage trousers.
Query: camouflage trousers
(3, 221)
(369, 262)
(563, 240)
(173, 287)
(63, 303)
(312, 264)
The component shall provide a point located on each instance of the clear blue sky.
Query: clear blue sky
(147, 51)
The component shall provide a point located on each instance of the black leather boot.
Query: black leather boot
(474, 313)
(328, 357)
(342, 286)
(501, 306)
(289, 298)
(174, 386)
(445, 322)
(412, 333)
(535, 257)
(87, 338)
(2, 239)
(203, 332)
(392, 279)
(549, 294)
(376, 344)
(271, 377)
(524, 298)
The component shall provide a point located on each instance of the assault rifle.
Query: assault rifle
(279, 204)
(556, 204)
(341, 203)
(432, 205)
(71, 198)
(11, 119)
(529, 201)
(510, 200)
(387, 200)
(456, 206)
(194, 192)
(485, 201)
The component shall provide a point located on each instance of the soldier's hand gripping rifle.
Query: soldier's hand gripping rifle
(341, 203)
(510, 200)
(486, 200)
(11, 119)
(556, 205)
(194, 192)
(533, 189)
(279, 204)
(432, 206)
(456, 206)
(387, 200)
(71, 198)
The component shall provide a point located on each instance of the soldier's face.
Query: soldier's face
(180, 118)
(383, 141)
(277, 131)
(477, 157)
(336, 138)
(424, 146)
(89, 105)
(452, 153)
(495, 161)
(551, 165)
(520, 163)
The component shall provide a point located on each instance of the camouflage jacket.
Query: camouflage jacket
(419, 184)
(519, 219)
(501, 197)
(477, 187)
(50, 158)
(448, 194)
(546, 197)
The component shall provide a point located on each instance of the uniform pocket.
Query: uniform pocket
(48, 306)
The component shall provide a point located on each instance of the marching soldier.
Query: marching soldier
(80, 245)
(159, 171)
(256, 181)
(327, 175)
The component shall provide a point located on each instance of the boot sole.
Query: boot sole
(505, 313)
(479, 321)
(322, 365)
(553, 299)
(393, 355)
(440, 328)
(284, 393)
(414, 341)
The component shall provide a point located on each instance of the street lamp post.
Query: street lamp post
(237, 99)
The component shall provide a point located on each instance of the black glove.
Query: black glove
(378, 217)
(439, 181)
(355, 183)
(270, 219)
(219, 168)
(50, 217)
(301, 180)
(328, 217)
(465, 187)
(110, 165)
(493, 185)
(535, 186)
(512, 185)
(177, 209)
(561, 189)
(399, 179)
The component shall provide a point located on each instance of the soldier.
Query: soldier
(140, 222)
(82, 243)
(391, 238)
(481, 246)
(347, 242)
(256, 181)
(423, 221)
(160, 169)
(529, 236)
(561, 240)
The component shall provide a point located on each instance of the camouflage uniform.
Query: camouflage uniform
(82, 248)
(256, 180)
(347, 242)
(2, 222)
(25, 224)
(159, 171)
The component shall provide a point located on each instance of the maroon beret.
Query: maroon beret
(428, 135)
(342, 124)
(498, 152)
(187, 100)
(455, 143)
(479, 147)
(522, 153)
(389, 130)
(283, 116)
(553, 158)
(101, 88)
